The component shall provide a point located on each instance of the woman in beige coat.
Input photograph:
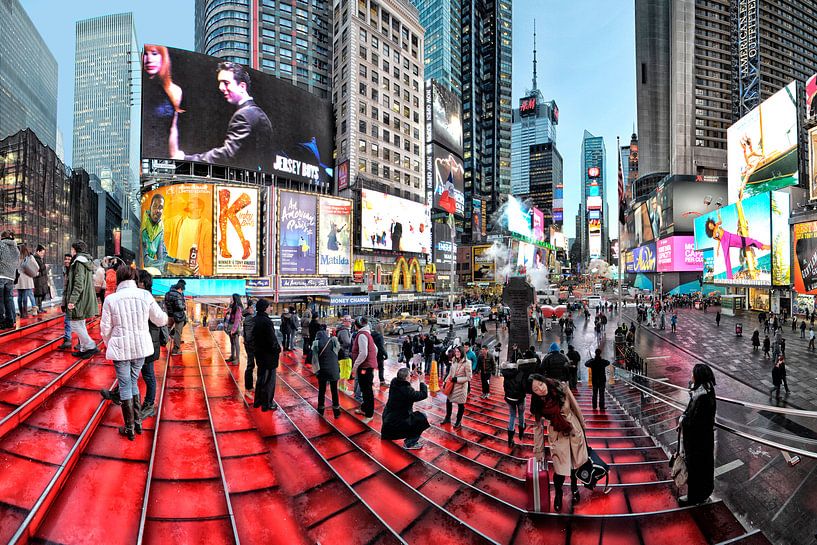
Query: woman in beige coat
(554, 402)
(460, 373)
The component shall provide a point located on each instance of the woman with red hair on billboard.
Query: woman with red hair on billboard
(161, 101)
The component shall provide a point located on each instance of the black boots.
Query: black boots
(521, 430)
(112, 395)
(510, 438)
(127, 416)
(557, 500)
(137, 414)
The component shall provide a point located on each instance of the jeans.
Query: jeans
(24, 296)
(516, 411)
(85, 341)
(235, 347)
(250, 367)
(6, 289)
(67, 323)
(127, 372)
(265, 388)
(149, 376)
(365, 377)
(177, 333)
(333, 388)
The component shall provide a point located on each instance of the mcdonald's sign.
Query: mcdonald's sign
(406, 269)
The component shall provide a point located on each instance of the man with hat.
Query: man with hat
(555, 365)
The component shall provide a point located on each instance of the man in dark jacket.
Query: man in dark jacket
(9, 258)
(573, 358)
(428, 353)
(485, 366)
(80, 298)
(267, 351)
(41, 289)
(177, 312)
(286, 330)
(66, 342)
(400, 421)
(515, 379)
(598, 366)
(249, 345)
(555, 365)
(314, 327)
(382, 355)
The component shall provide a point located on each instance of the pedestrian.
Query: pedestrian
(485, 366)
(802, 329)
(248, 327)
(766, 325)
(325, 358)
(794, 323)
(514, 381)
(344, 335)
(472, 334)
(124, 328)
(159, 335)
(80, 299)
(428, 352)
(382, 354)
(811, 337)
(99, 282)
(267, 353)
(553, 403)
(110, 279)
(232, 325)
(573, 358)
(306, 337)
(755, 340)
(41, 289)
(9, 258)
(779, 377)
(66, 319)
(400, 420)
(26, 271)
(598, 367)
(408, 353)
(460, 374)
(766, 346)
(177, 312)
(364, 358)
(555, 365)
(471, 356)
(673, 321)
(698, 436)
(718, 318)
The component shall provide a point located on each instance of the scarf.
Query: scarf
(553, 412)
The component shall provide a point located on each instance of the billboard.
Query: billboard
(812, 162)
(343, 176)
(448, 182)
(643, 225)
(739, 236)
(683, 201)
(762, 146)
(538, 225)
(643, 259)
(199, 108)
(446, 118)
(297, 233)
(334, 236)
(594, 203)
(237, 230)
(525, 255)
(781, 239)
(811, 96)
(395, 224)
(445, 252)
(594, 243)
(678, 254)
(176, 220)
(482, 263)
(477, 220)
(805, 253)
(518, 217)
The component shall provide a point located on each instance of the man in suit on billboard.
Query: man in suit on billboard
(248, 143)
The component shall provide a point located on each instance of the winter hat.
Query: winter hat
(554, 347)
(261, 305)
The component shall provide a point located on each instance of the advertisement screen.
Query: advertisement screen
(519, 217)
(781, 240)
(482, 264)
(595, 244)
(594, 203)
(447, 118)
(335, 232)
(176, 219)
(297, 233)
(477, 220)
(525, 256)
(644, 259)
(343, 176)
(445, 252)
(643, 225)
(629, 264)
(805, 253)
(594, 215)
(198, 108)
(687, 201)
(392, 223)
(678, 254)
(448, 182)
(237, 230)
(538, 225)
(812, 162)
(811, 96)
(739, 236)
(762, 146)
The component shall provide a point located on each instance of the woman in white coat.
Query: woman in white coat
(460, 373)
(124, 327)
(26, 271)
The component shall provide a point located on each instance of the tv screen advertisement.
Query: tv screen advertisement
(448, 182)
(343, 176)
(762, 146)
(236, 231)
(483, 266)
(176, 220)
(524, 257)
(594, 203)
(394, 224)
(629, 263)
(594, 240)
(781, 239)
(812, 162)
(518, 217)
(445, 252)
(538, 225)
(477, 219)
(335, 236)
(678, 254)
(446, 118)
(811, 96)
(805, 257)
(199, 108)
(687, 201)
(297, 233)
(644, 259)
(739, 235)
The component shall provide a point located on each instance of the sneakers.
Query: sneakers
(367, 419)
(418, 444)
(148, 410)
(66, 345)
(86, 354)
(358, 411)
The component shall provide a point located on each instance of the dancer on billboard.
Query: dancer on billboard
(727, 240)
(162, 104)
(230, 213)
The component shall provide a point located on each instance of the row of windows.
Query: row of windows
(229, 14)
(218, 3)
(227, 44)
(229, 29)
(374, 149)
(387, 172)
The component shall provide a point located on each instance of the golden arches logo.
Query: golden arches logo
(406, 269)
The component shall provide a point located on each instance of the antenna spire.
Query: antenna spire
(534, 55)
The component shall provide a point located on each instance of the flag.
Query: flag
(621, 204)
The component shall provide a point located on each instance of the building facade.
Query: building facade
(594, 218)
(28, 77)
(443, 27)
(545, 178)
(534, 123)
(486, 100)
(289, 39)
(378, 93)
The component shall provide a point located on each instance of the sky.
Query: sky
(585, 52)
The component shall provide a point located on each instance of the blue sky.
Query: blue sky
(586, 54)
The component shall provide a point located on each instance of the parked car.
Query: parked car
(400, 327)
(460, 317)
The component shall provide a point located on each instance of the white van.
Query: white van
(460, 317)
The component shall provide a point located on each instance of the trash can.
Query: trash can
(739, 329)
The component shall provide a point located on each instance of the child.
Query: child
(766, 346)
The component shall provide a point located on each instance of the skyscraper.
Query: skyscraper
(28, 77)
(545, 177)
(486, 99)
(441, 20)
(106, 110)
(289, 39)
(594, 225)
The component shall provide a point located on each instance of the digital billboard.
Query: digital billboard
(762, 146)
(781, 239)
(445, 252)
(343, 176)
(297, 233)
(739, 236)
(483, 266)
(683, 201)
(518, 217)
(811, 96)
(812, 162)
(805, 253)
(448, 182)
(395, 224)
(643, 259)
(446, 118)
(176, 231)
(594, 243)
(594, 203)
(538, 225)
(237, 230)
(525, 255)
(335, 236)
(678, 254)
(201, 108)
(643, 225)
(477, 220)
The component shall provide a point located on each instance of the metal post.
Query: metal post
(453, 227)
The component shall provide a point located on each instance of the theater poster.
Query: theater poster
(297, 233)
(236, 250)
(334, 229)
(805, 257)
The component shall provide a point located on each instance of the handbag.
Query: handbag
(593, 470)
(678, 465)
(164, 335)
(448, 387)
(316, 361)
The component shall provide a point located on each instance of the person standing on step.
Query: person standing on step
(555, 364)
(755, 340)
(124, 328)
(99, 282)
(41, 289)
(698, 436)
(779, 377)
(553, 402)
(460, 372)
(9, 256)
(515, 379)
(267, 352)
(286, 331)
(766, 346)
(344, 335)
(232, 325)
(598, 366)
(80, 299)
(811, 337)
(364, 364)
(802, 329)
(400, 420)
(249, 344)
(382, 354)
(485, 366)
(66, 342)
(26, 271)
(177, 311)
(573, 358)
(325, 355)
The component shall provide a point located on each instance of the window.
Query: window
(361, 126)
(363, 70)
(375, 130)
(361, 146)
(343, 127)
(386, 138)
(362, 89)
(361, 165)
(375, 41)
(387, 154)
(397, 140)
(375, 168)
(375, 148)
(362, 51)
(386, 118)
(374, 94)
(375, 77)
(386, 172)
(361, 109)
(375, 112)
(363, 35)
(284, 52)
(385, 65)
(344, 90)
